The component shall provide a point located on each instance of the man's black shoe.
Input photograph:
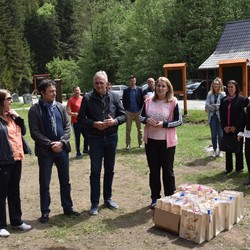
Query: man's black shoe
(111, 204)
(44, 218)
(227, 172)
(72, 212)
(247, 182)
(239, 172)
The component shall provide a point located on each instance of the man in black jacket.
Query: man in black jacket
(101, 113)
(132, 100)
(50, 129)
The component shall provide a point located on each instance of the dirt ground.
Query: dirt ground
(129, 227)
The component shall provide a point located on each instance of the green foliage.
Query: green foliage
(67, 25)
(15, 55)
(121, 37)
(41, 33)
(67, 70)
(47, 10)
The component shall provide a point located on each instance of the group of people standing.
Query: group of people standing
(99, 113)
(228, 115)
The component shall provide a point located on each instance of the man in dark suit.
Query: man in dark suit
(132, 101)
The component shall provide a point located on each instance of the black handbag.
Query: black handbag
(26, 147)
(230, 144)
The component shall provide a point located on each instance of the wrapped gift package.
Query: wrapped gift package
(198, 212)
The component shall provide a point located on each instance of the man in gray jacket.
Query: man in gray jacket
(50, 129)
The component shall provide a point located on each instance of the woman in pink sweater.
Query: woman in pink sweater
(161, 115)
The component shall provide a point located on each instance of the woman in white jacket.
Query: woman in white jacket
(212, 107)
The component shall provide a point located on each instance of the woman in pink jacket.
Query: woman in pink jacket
(162, 115)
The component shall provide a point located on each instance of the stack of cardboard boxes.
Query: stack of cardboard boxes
(199, 213)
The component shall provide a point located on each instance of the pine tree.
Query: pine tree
(14, 49)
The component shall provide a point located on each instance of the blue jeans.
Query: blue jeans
(78, 130)
(102, 147)
(216, 131)
(61, 161)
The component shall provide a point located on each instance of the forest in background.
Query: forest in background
(72, 39)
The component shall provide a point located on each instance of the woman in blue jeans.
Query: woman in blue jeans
(212, 107)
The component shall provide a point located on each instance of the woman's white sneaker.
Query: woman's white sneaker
(214, 154)
(4, 233)
(23, 227)
(220, 154)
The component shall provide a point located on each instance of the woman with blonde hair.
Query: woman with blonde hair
(161, 115)
(212, 107)
(12, 128)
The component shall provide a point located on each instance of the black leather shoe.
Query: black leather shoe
(227, 171)
(240, 171)
(111, 204)
(72, 212)
(44, 218)
(247, 182)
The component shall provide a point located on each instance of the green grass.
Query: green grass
(193, 139)
(193, 164)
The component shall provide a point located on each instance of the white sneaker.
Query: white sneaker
(4, 233)
(214, 154)
(220, 154)
(23, 227)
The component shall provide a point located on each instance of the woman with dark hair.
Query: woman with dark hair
(232, 118)
(12, 128)
(162, 115)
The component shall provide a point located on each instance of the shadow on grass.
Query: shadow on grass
(59, 220)
(130, 220)
(174, 238)
(236, 180)
(199, 162)
(131, 151)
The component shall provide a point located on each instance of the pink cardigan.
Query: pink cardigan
(171, 135)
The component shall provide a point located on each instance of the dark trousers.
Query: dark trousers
(10, 176)
(247, 154)
(159, 157)
(78, 130)
(61, 161)
(238, 157)
(102, 147)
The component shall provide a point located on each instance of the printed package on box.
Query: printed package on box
(198, 213)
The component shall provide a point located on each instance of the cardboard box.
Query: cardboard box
(167, 220)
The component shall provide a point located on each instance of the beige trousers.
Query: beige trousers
(130, 117)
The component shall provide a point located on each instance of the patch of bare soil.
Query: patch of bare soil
(129, 227)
